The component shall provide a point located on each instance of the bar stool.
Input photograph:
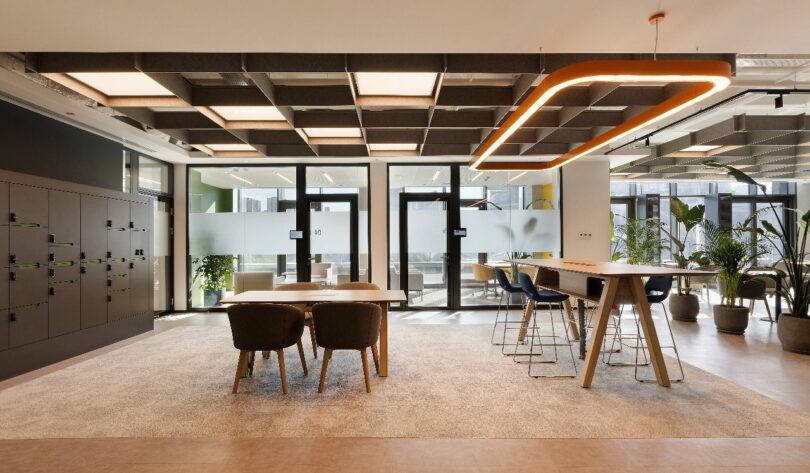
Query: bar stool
(547, 298)
(657, 289)
(507, 289)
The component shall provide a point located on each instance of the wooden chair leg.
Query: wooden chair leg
(314, 342)
(327, 354)
(282, 368)
(266, 355)
(767, 307)
(240, 369)
(376, 355)
(751, 308)
(251, 361)
(303, 359)
(364, 358)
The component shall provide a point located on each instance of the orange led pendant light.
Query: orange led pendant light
(707, 78)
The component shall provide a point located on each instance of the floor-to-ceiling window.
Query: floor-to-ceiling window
(461, 224)
(249, 220)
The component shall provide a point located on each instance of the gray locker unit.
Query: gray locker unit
(77, 270)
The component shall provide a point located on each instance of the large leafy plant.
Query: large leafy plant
(689, 217)
(641, 239)
(732, 257)
(213, 270)
(791, 268)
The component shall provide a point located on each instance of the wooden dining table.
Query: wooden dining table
(606, 284)
(381, 297)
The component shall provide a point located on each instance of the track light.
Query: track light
(647, 141)
(779, 101)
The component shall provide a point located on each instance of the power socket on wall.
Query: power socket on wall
(585, 236)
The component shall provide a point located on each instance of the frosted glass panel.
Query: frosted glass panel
(330, 232)
(498, 231)
(427, 231)
(160, 231)
(216, 233)
(268, 233)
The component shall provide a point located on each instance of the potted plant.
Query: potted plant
(791, 269)
(641, 239)
(684, 305)
(213, 271)
(733, 257)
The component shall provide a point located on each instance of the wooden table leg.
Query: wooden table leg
(572, 322)
(384, 340)
(600, 326)
(527, 316)
(648, 327)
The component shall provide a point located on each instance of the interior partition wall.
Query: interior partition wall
(458, 224)
(292, 222)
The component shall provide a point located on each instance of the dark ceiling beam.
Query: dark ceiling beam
(627, 95)
(266, 86)
(450, 136)
(523, 136)
(543, 148)
(289, 150)
(314, 96)
(202, 137)
(475, 96)
(191, 62)
(210, 96)
(293, 62)
(462, 119)
(395, 118)
(395, 63)
(446, 149)
(521, 87)
(275, 137)
(79, 62)
(187, 120)
(326, 119)
(145, 115)
(394, 135)
(343, 150)
(176, 83)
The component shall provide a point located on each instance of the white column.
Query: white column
(378, 215)
(180, 231)
(586, 209)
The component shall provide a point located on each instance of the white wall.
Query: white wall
(180, 250)
(803, 196)
(586, 210)
(378, 239)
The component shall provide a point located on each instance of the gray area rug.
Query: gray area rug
(445, 381)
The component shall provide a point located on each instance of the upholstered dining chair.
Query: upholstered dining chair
(485, 275)
(265, 327)
(347, 326)
(305, 286)
(357, 286)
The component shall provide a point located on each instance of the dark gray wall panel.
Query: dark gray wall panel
(28, 205)
(94, 227)
(64, 210)
(35, 144)
(94, 294)
(4, 323)
(64, 308)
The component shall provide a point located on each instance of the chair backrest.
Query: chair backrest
(503, 281)
(527, 284)
(769, 281)
(253, 281)
(346, 325)
(358, 285)
(265, 327)
(482, 272)
(319, 269)
(661, 284)
(752, 288)
(299, 286)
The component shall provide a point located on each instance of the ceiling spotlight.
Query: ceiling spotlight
(647, 141)
(779, 101)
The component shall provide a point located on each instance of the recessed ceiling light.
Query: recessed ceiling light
(412, 84)
(285, 178)
(230, 147)
(480, 173)
(517, 176)
(240, 179)
(392, 146)
(329, 178)
(700, 148)
(436, 176)
(122, 84)
(333, 132)
(259, 113)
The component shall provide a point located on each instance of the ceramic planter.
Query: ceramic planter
(730, 319)
(794, 333)
(684, 307)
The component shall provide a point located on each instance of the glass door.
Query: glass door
(161, 254)
(425, 249)
(331, 244)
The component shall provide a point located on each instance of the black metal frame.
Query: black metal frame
(303, 253)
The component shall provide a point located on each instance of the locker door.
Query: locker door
(28, 205)
(27, 324)
(93, 227)
(118, 275)
(64, 218)
(118, 213)
(94, 293)
(118, 243)
(139, 214)
(28, 245)
(4, 323)
(3, 264)
(118, 304)
(64, 308)
(139, 243)
(28, 285)
(4, 203)
(140, 287)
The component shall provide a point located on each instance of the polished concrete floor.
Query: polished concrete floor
(754, 361)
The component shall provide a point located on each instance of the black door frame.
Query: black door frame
(303, 247)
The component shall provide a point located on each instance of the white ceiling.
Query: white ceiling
(475, 26)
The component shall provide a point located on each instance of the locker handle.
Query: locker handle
(109, 223)
(51, 291)
(12, 276)
(82, 255)
(109, 282)
(84, 270)
(51, 273)
(51, 257)
(12, 259)
(109, 254)
(131, 224)
(109, 298)
(12, 317)
(131, 265)
(51, 238)
(12, 217)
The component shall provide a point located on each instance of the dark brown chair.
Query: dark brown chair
(347, 326)
(357, 286)
(265, 327)
(304, 286)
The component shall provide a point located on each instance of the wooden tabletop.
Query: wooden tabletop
(603, 269)
(329, 295)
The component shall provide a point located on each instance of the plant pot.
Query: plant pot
(684, 307)
(794, 333)
(730, 319)
(212, 297)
